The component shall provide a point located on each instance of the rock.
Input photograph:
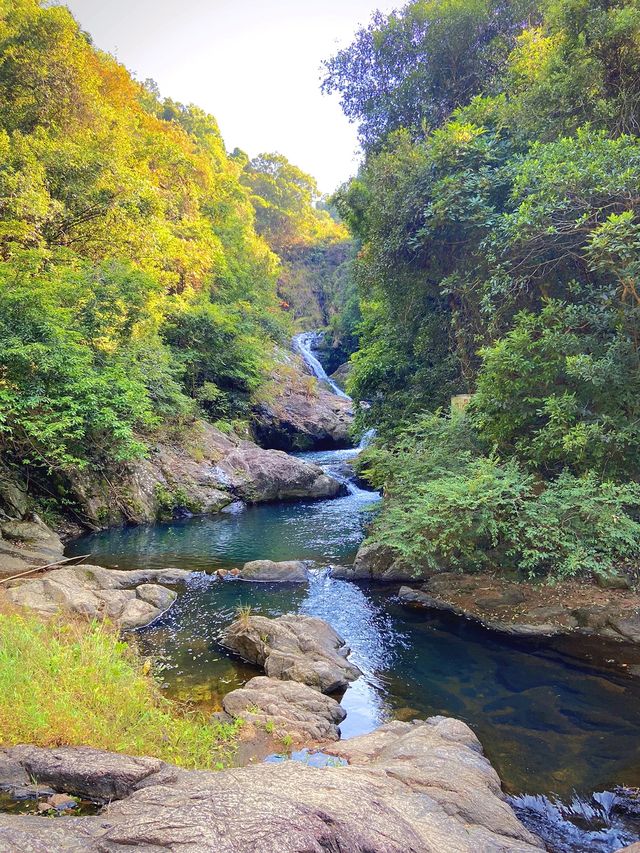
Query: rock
(410, 788)
(418, 596)
(525, 608)
(24, 531)
(294, 709)
(298, 413)
(628, 627)
(376, 561)
(27, 544)
(125, 598)
(14, 499)
(341, 374)
(293, 648)
(612, 581)
(259, 476)
(201, 471)
(292, 571)
(58, 802)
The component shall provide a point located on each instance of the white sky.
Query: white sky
(254, 65)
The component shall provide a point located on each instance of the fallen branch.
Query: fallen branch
(42, 568)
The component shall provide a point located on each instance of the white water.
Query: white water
(303, 344)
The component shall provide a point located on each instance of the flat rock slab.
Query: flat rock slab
(267, 571)
(411, 788)
(294, 648)
(129, 599)
(293, 709)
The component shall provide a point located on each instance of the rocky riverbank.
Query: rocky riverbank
(601, 607)
(408, 788)
(527, 609)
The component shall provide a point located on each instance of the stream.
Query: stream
(559, 720)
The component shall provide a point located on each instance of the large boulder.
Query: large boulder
(128, 599)
(200, 471)
(26, 543)
(298, 413)
(267, 571)
(293, 648)
(293, 709)
(258, 476)
(410, 788)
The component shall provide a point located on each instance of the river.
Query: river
(559, 720)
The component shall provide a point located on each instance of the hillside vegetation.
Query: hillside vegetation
(139, 274)
(497, 208)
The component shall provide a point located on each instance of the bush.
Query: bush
(447, 505)
(562, 389)
(76, 684)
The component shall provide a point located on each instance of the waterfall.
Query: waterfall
(303, 344)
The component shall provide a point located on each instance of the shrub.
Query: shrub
(64, 683)
(448, 505)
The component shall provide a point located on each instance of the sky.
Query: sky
(254, 65)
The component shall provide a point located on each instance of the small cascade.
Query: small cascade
(367, 438)
(303, 344)
(597, 823)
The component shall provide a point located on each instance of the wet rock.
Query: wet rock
(409, 788)
(126, 598)
(293, 648)
(341, 374)
(292, 708)
(267, 571)
(58, 802)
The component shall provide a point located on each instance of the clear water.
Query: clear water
(550, 722)
(557, 719)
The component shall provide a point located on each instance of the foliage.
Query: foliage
(313, 245)
(134, 287)
(412, 68)
(78, 684)
(500, 232)
(562, 389)
(449, 505)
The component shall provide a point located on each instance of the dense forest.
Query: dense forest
(146, 274)
(496, 212)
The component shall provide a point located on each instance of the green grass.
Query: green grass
(72, 683)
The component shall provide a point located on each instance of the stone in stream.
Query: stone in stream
(268, 571)
(409, 788)
(126, 598)
(293, 648)
(293, 709)
(376, 561)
